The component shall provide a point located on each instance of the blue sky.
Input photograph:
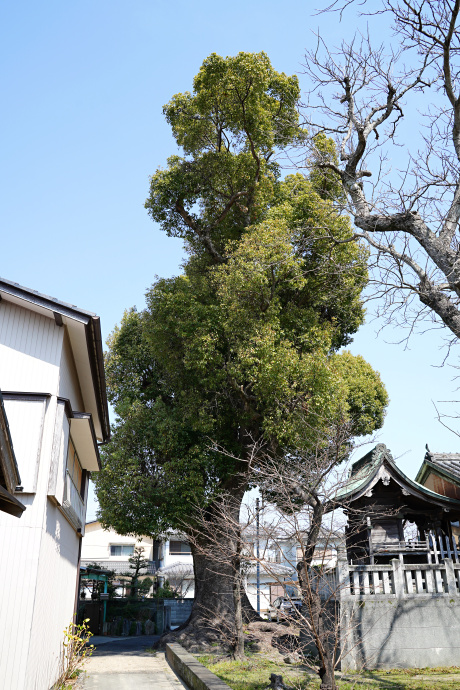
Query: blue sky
(83, 85)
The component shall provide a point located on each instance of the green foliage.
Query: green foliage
(144, 586)
(242, 346)
(75, 652)
(166, 592)
(241, 111)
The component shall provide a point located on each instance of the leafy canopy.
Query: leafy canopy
(243, 347)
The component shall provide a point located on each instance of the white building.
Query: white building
(52, 379)
(111, 550)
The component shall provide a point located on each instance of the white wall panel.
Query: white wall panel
(25, 418)
(30, 350)
(56, 584)
(20, 557)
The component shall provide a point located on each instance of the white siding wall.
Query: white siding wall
(25, 419)
(30, 350)
(59, 455)
(38, 569)
(54, 602)
(18, 576)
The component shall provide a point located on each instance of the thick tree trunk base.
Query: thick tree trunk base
(197, 639)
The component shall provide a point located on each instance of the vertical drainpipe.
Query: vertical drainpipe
(77, 587)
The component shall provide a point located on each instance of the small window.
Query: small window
(74, 467)
(119, 550)
(178, 547)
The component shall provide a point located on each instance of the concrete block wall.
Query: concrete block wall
(405, 633)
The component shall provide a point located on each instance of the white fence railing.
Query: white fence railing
(398, 580)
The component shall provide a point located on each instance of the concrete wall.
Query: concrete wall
(407, 633)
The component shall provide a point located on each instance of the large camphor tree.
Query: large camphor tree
(236, 357)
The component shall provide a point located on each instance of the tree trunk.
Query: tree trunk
(322, 626)
(324, 643)
(216, 614)
(238, 652)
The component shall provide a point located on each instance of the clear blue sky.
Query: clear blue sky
(83, 86)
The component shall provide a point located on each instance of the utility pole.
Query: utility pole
(258, 556)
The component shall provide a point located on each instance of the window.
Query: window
(74, 466)
(119, 550)
(178, 547)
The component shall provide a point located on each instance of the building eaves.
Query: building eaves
(93, 334)
(363, 473)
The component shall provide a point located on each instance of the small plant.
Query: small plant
(75, 652)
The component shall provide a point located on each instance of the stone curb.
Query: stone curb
(194, 674)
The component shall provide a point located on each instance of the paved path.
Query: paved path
(125, 664)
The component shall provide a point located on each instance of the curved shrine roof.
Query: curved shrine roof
(379, 465)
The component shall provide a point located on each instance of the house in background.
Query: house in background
(52, 379)
(170, 560)
(111, 550)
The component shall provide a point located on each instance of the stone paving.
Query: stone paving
(125, 663)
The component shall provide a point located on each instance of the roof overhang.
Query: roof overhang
(84, 439)
(431, 467)
(84, 330)
(10, 504)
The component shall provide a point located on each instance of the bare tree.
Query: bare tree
(307, 526)
(409, 218)
(300, 493)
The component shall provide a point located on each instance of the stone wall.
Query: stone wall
(399, 615)
(405, 633)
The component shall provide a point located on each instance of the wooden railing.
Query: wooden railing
(398, 580)
(436, 547)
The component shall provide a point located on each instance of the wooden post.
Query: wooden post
(398, 577)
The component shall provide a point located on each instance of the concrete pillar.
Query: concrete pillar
(160, 618)
(343, 577)
(450, 577)
(398, 578)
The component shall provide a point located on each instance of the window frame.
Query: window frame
(81, 487)
(121, 547)
(185, 552)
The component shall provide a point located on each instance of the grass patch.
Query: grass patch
(254, 674)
